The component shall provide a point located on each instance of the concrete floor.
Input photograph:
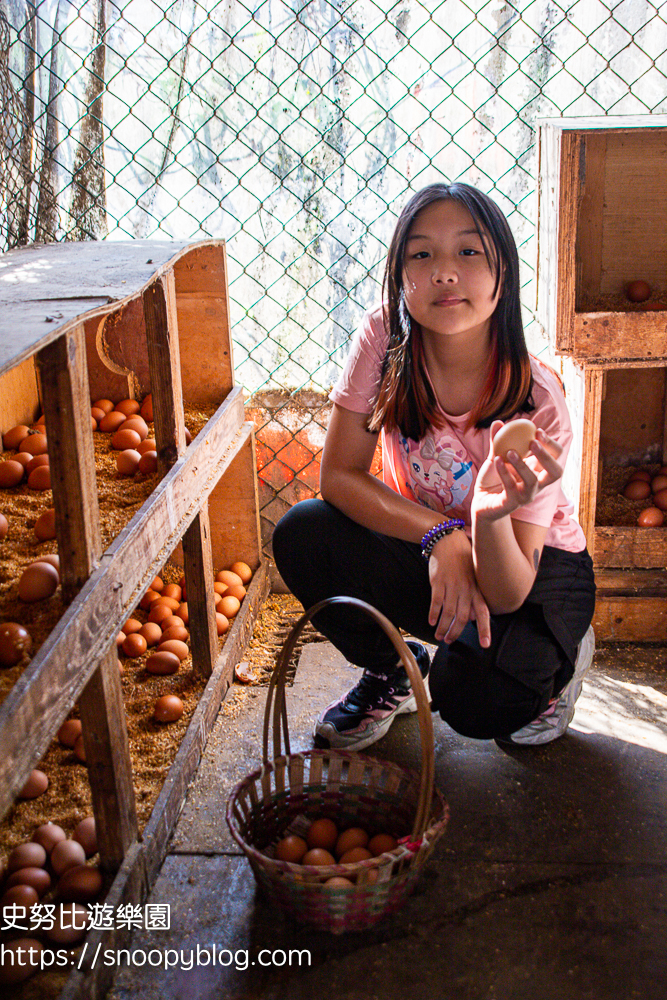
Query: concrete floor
(549, 884)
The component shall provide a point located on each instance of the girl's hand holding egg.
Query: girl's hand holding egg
(505, 481)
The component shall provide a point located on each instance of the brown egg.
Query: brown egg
(381, 843)
(21, 959)
(651, 517)
(338, 882)
(148, 463)
(243, 571)
(35, 462)
(53, 560)
(97, 414)
(19, 895)
(147, 407)
(45, 525)
(81, 884)
(641, 474)
(35, 786)
(132, 625)
(637, 489)
(660, 499)
(231, 579)
(149, 444)
(658, 483)
(162, 663)
(159, 612)
(638, 291)
(4, 526)
(69, 732)
(24, 457)
(291, 848)
(171, 622)
(137, 424)
(67, 854)
(188, 436)
(70, 924)
(220, 588)
(222, 623)
(128, 406)
(40, 478)
(35, 444)
(12, 438)
(38, 582)
(120, 639)
(236, 591)
(354, 836)
(86, 835)
(168, 708)
(152, 633)
(148, 598)
(176, 632)
(174, 591)
(38, 878)
(355, 854)
(11, 473)
(318, 856)
(103, 404)
(48, 835)
(127, 462)
(124, 439)
(166, 602)
(112, 422)
(229, 606)
(174, 646)
(135, 645)
(15, 643)
(28, 855)
(322, 833)
(157, 584)
(183, 613)
(80, 749)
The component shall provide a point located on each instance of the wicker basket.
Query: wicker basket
(350, 788)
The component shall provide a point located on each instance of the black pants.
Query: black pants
(481, 693)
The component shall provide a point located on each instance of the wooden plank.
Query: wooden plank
(170, 801)
(204, 327)
(548, 195)
(641, 548)
(234, 511)
(106, 378)
(19, 397)
(198, 564)
(631, 582)
(588, 488)
(614, 335)
(88, 627)
(570, 151)
(107, 747)
(630, 619)
(163, 358)
(589, 224)
(633, 416)
(610, 123)
(62, 371)
(45, 288)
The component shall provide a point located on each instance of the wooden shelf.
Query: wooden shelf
(82, 321)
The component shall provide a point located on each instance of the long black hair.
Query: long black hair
(405, 398)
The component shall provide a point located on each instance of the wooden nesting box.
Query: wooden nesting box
(118, 320)
(602, 212)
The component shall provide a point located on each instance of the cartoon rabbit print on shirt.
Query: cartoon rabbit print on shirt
(438, 473)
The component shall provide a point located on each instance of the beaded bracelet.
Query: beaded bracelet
(437, 532)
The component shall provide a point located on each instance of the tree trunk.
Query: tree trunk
(88, 208)
(47, 207)
(27, 175)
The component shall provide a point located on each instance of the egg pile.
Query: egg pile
(324, 844)
(643, 484)
(50, 867)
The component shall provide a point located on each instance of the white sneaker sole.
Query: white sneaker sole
(371, 734)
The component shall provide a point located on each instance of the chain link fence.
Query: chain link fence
(296, 130)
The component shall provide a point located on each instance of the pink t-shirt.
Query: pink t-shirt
(440, 470)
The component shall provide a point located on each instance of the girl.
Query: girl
(477, 554)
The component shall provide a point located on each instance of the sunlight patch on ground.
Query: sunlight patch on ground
(635, 713)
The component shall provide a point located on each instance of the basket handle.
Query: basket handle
(275, 714)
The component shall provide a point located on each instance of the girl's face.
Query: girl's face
(448, 280)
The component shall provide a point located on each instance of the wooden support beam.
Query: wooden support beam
(198, 565)
(165, 368)
(64, 385)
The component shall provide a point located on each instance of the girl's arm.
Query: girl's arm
(506, 553)
(346, 482)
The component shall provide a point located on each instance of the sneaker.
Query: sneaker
(558, 716)
(365, 713)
